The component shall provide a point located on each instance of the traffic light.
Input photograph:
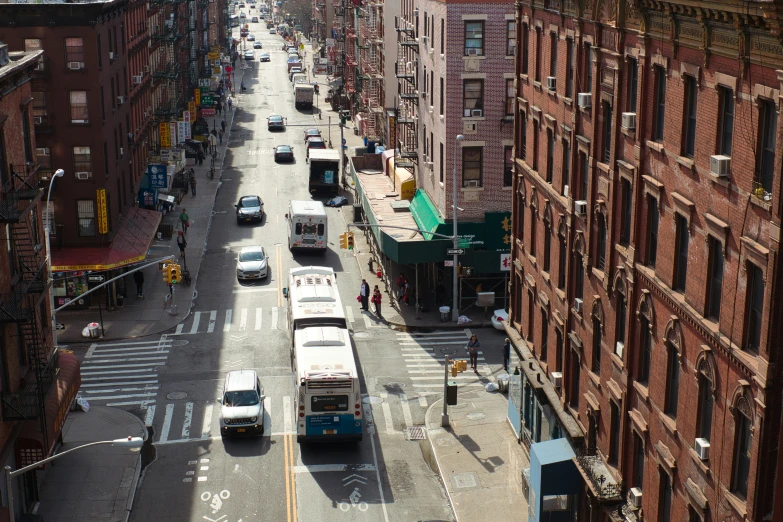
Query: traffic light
(462, 366)
(175, 274)
(344, 240)
(167, 274)
(350, 240)
(454, 368)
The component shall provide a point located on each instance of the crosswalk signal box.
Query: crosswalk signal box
(451, 393)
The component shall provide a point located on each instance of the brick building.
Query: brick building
(37, 384)
(646, 224)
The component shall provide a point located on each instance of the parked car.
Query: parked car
(499, 317)
(284, 152)
(252, 263)
(316, 142)
(250, 208)
(242, 404)
(251, 38)
(249, 55)
(292, 72)
(272, 31)
(311, 133)
(257, 45)
(254, 19)
(275, 121)
(264, 57)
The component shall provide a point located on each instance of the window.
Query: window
(538, 54)
(633, 83)
(645, 350)
(86, 214)
(40, 109)
(755, 307)
(522, 136)
(511, 38)
(79, 112)
(531, 306)
(442, 101)
(103, 106)
(622, 313)
(474, 38)
(614, 435)
(714, 278)
(597, 338)
(689, 119)
(26, 136)
(544, 335)
(561, 262)
(98, 48)
(569, 68)
(742, 446)
(547, 246)
(637, 480)
(44, 157)
(625, 218)
(525, 48)
(768, 122)
(443, 37)
(704, 426)
(510, 97)
(665, 500)
(82, 161)
(659, 103)
(532, 245)
(607, 135)
(588, 87)
(426, 25)
(508, 166)
(600, 244)
(424, 138)
(672, 383)
(535, 145)
(579, 279)
(558, 350)
(550, 155)
(471, 166)
(725, 120)
(521, 214)
(431, 87)
(573, 392)
(442, 166)
(653, 217)
(74, 50)
(585, 175)
(566, 170)
(473, 97)
(681, 254)
(553, 54)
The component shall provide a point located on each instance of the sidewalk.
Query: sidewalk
(97, 483)
(141, 317)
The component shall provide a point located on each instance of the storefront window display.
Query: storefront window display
(68, 286)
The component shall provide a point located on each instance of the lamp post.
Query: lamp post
(57, 174)
(130, 442)
(455, 289)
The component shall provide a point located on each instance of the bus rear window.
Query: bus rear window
(309, 229)
(321, 229)
(328, 403)
(298, 229)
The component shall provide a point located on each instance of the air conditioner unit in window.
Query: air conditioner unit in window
(473, 183)
(584, 99)
(469, 127)
(619, 348)
(580, 207)
(702, 447)
(146, 68)
(477, 113)
(429, 164)
(635, 497)
(423, 94)
(82, 175)
(137, 80)
(122, 152)
(578, 305)
(551, 83)
(557, 379)
(474, 52)
(37, 120)
(112, 55)
(629, 120)
(74, 66)
(120, 100)
(719, 165)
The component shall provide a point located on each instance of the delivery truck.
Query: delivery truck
(303, 96)
(324, 171)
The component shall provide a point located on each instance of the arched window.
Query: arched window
(743, 443)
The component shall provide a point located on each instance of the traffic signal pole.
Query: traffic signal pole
(444, 418)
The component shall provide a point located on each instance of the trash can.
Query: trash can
(357, 212)
(95, 330)
(451, 393)
(444, 313)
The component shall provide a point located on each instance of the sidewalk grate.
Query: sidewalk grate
(416, 433)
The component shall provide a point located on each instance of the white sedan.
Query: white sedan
(498, 318)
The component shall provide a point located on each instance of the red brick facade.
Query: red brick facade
(711, 228)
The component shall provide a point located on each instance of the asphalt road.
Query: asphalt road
(197, 475)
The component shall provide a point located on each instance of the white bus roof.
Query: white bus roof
(311, 208)
(313, 297)
(323, 353)
(324, 154)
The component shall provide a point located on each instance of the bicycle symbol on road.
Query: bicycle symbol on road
(354, 502)
(217, 499)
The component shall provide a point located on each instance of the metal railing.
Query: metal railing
(595, 469)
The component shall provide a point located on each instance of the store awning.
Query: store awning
(425, 213)
(130, 245)
(30, 446)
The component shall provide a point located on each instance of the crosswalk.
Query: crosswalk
(123, 373)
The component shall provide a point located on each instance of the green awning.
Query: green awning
(425, 213)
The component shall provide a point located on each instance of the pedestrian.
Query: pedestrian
(138, 278)
(193, 186)
(184, 221)
(200, 157)
(181, 243)
(220, 136)
(376, 299)
(506, 353)
(400, 286)
(223, 125)
(472, 347)
(230, 102)
(406, 293)
(364, 293)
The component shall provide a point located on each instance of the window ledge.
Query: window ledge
(568, 101)
(762, 204)
(642, 390)
(699, 463)
(531, 259)
(524, 78)
(544, 275)
(685, 162)
(595, 378)
(560, 293)
(536, 85)
(631, 133)
(654, 145)
(473, 118)
(552, 93)
(478, 57)
(586, 110)
(616, 361)
(504, 188)
(668, 423)
(603, 167)
(736, 503)
(596, 272)
(718, 180)
(576, 313)
(471, 189)
(510, 57)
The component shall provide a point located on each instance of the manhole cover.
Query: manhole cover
(464, 480)
(447, 351)
(475, 416)
(416, 433)
(372, 400)
(394, 385)
(361, 335)
(176, 395)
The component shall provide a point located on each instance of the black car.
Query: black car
(284, 152)
(275, 122)
(250, 208)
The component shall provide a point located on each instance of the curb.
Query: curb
(435, 459)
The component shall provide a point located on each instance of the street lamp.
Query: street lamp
(455, 246)
(130, 442)
(57, 174)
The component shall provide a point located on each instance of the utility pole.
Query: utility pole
(444, 418)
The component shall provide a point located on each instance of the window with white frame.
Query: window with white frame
(511, 38)
(86, 214)
(79, 110)
(82, 162)
(471, 166)
(473, 97)
(474, 38)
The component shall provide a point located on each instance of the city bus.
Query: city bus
(234, 20)
(327, 394)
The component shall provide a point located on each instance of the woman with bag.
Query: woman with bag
(472, 347)
(376, 300)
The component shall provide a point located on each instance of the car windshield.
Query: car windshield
(276, 119)
(253, 255)
(283, 148)
(249, 202)
(240, 398)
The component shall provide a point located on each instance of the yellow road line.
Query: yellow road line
(287, 485)
(292, 476)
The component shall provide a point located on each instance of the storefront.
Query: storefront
(555, 484)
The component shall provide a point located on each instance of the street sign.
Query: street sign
(464, 242)
(455, 251)
(95, 279)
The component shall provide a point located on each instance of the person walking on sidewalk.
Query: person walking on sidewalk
(220, 136)
(230, 103)
(364, 293)
(376, 299)
(138, 278)
(181, 243)
(472, 347)
(193, 186)
(184, 221)
(506, 353)
(223, 125)
(400, 286)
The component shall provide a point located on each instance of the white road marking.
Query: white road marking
(433, 356)
(349, 314)
(243, 320)
(406, 410)
(387, 418)
(458, 377)
(202, 479)
(122, 390)
(135, 349)
(93, 346)
(109, 378)
(103, 385)
(130, 343)
(402, 335)
(179, 329)
(188, 420)
(206, 425)
(319, 468)
(254, 290)
(434, 343)
(274, 318)
(424, 372)
(268, 409)
(98, 367)
(150, 416)
(227, 324)
(259, 318)
(422, 402)
(164, 432)
(126, 396)
(440, 386)
(196, 320)
(287, 424)
(212, 320)
(138, 404)
(103, 359)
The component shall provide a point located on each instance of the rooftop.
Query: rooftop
(16, 61)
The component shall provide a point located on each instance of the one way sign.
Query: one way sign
(455, 251)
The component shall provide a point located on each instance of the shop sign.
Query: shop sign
(173, 133)
(213, 55)
(183, 131)
(208, 112)
(204, 91)
(157, 176)
(186, 116)
(203, 82)
(165, 155)
(165, 137)
(103, 219)
(505, 262)
(192, 110)
(147, 197)
(392, 131)
(95, 279)
(197, 96)
(207, 101)
(498, 231)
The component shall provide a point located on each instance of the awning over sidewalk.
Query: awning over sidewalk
(130, 245)
(30, 446)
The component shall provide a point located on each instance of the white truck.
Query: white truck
(324, 171)
(303, 96)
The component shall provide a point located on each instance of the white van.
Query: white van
(307, 225)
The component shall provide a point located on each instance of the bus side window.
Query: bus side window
(298, 229)
(321, 229)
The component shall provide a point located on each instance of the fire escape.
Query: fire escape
(25, 304)
(167, 36)
(350, 50)
(371, 106)
(406, 152)
(192, 43)
(319, 20)
(338, 33)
